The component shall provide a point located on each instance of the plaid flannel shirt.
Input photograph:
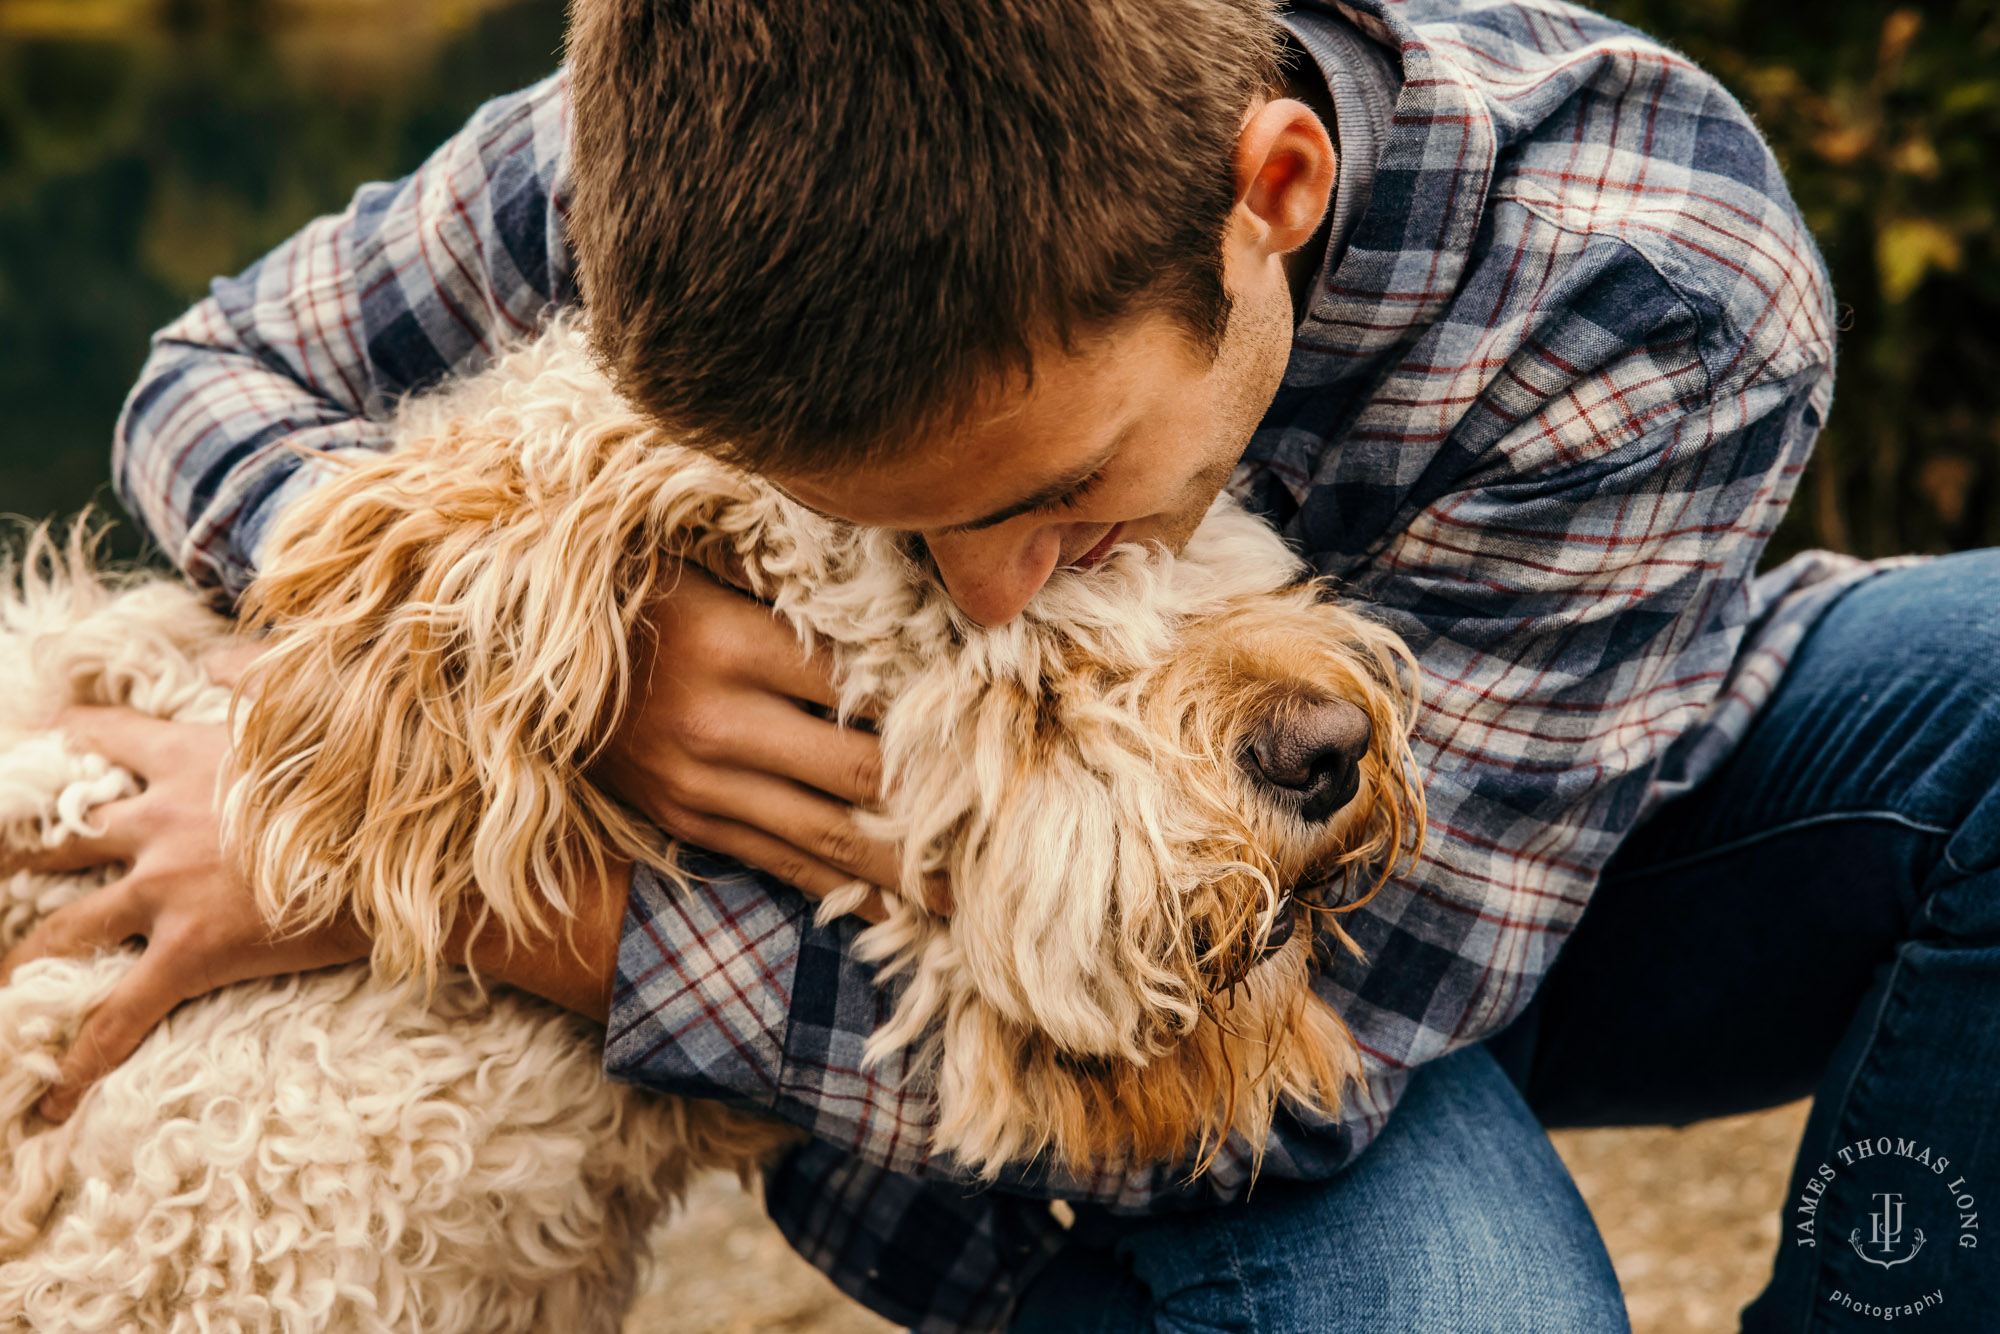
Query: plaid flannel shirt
(1543, 412)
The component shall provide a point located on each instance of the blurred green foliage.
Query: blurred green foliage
(139, 158)
(1887, 121)
(137, 163)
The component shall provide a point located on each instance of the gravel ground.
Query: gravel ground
(1690, 1216)
(725, 1270)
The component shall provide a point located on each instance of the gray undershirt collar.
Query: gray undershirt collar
(1364, 79)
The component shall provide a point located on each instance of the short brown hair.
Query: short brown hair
(809, 230)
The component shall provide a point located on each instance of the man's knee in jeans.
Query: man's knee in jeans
(1458, 1217)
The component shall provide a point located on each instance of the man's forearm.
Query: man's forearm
(577, 966)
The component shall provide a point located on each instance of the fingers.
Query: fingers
(767, 734)
(122, 823)
(227, 664)
(97, 921)
(817, 825)
(708, 629)
(766, 852)
(114, 1030)
(793, 672)
(804, 676)
(937, 894)
(126, 737)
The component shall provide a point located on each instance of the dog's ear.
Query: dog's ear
(1063, 998)
(447, 650)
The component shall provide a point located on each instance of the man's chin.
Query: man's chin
(1174, 529)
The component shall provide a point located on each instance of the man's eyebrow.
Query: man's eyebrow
(1048, 495)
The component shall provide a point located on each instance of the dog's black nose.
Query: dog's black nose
(1309, 751)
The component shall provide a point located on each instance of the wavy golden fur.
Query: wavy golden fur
(450, 645)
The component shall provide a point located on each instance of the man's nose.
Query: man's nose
(991, 575)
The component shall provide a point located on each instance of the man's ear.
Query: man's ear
(1285, 163)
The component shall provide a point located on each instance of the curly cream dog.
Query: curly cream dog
(1122, 787)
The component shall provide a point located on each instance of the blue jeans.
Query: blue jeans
(1425, 1232)
(1822, 916)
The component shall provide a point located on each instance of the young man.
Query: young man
(1501, 312)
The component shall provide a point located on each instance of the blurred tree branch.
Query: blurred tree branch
(1888, 126)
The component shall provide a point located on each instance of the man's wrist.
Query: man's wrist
(577, 966)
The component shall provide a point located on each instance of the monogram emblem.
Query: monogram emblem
(1885, 1233)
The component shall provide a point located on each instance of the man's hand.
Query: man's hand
(198, 919)
(200, 922)
(720, 751)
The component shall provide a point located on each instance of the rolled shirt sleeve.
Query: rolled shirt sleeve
(728, 989)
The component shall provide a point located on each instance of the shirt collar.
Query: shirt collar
(1412, 235)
